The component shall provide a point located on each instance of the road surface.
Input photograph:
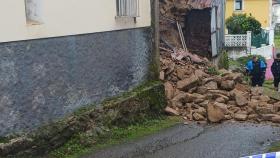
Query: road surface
(228, 140)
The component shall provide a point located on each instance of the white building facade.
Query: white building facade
(60, 55)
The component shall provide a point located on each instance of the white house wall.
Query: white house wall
(66, 17)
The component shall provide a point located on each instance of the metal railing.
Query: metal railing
(128, 8)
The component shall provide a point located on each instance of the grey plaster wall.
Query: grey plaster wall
(43, 80)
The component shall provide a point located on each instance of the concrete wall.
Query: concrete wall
(64, 17)
(260, 9)
(43, 80)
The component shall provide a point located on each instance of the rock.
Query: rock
(236, 77)
(161, 75)
(224, 72)
(232, 102)
(171, 111)
(276, 107)
(228, 117)
(252, 116)
(268, 117)
(198, 96)
(276, 119)
(240, 99)
(253, 104)
(187, 83)
(265, 110)
(256, 91)
(242, 87)
(234, 109)
(179, 100)
(169, 90)
(222, 106)
(264, 98)
(170, 68)
(204, 104)
(220, 100)
(250, 110)
(201, 111)
(211, 85)
(220, 92)
(200, 74)
(228, 85)
(197, 101)
(207, 80)
(215, 114)
(255, 97)
(262, 104)
(201, 90)
(240, 117)
(198, 117)
(181, 73)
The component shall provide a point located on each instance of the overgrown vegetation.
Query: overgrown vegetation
(224, 61)
(241, 23)
(85, 143)
(213, 71)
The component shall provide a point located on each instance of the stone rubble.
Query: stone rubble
(198, 95)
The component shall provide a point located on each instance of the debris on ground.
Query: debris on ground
(197, 94)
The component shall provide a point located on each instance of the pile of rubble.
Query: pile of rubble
(198, 95)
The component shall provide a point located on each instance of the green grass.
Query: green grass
(277, 41)
(275, 147)
(269, 84)
(84, 144)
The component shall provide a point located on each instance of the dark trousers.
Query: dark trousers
(276, 82)
(257, 80)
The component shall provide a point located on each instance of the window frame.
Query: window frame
(126, 10)
(241, 3)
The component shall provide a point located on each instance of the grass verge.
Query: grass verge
(85, 143)
(277, 41)
(269, 84)
(275, 147)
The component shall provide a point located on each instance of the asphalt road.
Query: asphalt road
(228, 140)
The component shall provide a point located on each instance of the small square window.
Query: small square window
(127, 8)
(238, 4)
(33, 11)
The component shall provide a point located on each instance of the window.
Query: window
(33, 11)
(128, 8)
(238, 4)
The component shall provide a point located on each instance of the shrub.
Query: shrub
(224, 61)
(241, 23)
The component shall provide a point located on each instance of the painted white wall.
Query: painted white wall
(66, 17)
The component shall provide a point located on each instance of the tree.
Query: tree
(241, 23)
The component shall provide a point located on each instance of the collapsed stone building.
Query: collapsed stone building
(202, 23)
(197, 91)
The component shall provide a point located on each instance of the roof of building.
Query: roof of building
(202, 4)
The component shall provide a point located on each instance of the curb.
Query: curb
(267, 155)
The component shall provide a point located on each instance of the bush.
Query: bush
(241, 23)
(224, 61)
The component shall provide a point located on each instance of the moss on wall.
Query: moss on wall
(145, 101)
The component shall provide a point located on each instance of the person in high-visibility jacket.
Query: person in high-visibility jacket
(256, 69)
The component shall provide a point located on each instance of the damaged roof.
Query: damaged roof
(202, 4)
